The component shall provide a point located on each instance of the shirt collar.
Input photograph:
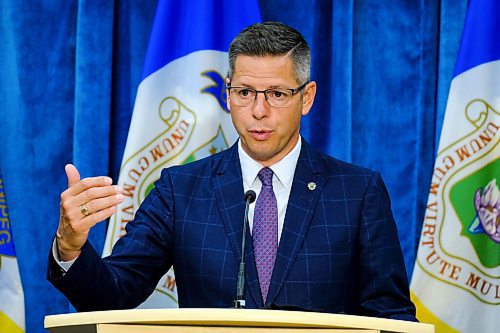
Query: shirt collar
(284, 169)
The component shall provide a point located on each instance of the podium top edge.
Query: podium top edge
(235, 317)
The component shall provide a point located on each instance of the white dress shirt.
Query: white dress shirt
(283, 171)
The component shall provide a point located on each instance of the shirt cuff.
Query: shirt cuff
(65, 265)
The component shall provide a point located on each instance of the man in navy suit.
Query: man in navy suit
(322, 233)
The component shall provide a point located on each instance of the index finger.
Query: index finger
(87, 183)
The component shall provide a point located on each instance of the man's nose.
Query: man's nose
(260, 108)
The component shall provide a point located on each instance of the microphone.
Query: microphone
(239, 302)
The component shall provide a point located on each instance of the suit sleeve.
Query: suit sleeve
(139, 259)
(383, 284)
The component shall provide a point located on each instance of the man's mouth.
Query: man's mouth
(260, 135)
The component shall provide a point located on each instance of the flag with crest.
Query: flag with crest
(456, 282)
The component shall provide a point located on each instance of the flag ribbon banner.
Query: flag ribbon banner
(180, 113)
(456, 282)
(11, 292)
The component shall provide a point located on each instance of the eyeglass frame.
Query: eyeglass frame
(293, 91)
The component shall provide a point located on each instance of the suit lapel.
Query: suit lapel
(301, 205)
(228, 187)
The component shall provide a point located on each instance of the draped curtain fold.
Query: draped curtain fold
(92, 101)
(69, 73)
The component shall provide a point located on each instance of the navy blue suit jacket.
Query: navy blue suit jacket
(339, 251)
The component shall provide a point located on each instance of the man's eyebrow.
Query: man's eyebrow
(276, 86)
(241, 85)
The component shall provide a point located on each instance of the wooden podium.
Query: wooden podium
(224, 321)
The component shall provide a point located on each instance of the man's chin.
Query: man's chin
(265, 157)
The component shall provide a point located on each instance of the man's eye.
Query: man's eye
(245, 92)
(277, 94)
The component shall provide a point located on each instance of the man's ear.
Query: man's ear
(228, 82)
(308, 97)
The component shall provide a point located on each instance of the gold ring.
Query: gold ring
(84, 210)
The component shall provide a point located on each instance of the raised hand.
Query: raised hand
(85, 203)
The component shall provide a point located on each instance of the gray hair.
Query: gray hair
(273, 39)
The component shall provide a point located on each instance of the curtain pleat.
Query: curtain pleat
(92, 110)
(36, 120)
(339, 141)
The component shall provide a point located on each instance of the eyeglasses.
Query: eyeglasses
(279, 98)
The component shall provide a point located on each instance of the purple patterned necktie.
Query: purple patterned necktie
(265, 230)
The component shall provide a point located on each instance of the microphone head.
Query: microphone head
(250, 196)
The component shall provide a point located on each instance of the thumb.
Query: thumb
(72, 174)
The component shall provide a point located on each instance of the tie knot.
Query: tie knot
(266, 176)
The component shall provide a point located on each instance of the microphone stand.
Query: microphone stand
(239, 302)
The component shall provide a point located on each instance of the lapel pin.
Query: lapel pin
(311, 186)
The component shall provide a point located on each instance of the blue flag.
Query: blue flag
(456, 281)
(180, 112)
(11, 291)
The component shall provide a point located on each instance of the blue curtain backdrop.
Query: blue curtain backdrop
(69, 71)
